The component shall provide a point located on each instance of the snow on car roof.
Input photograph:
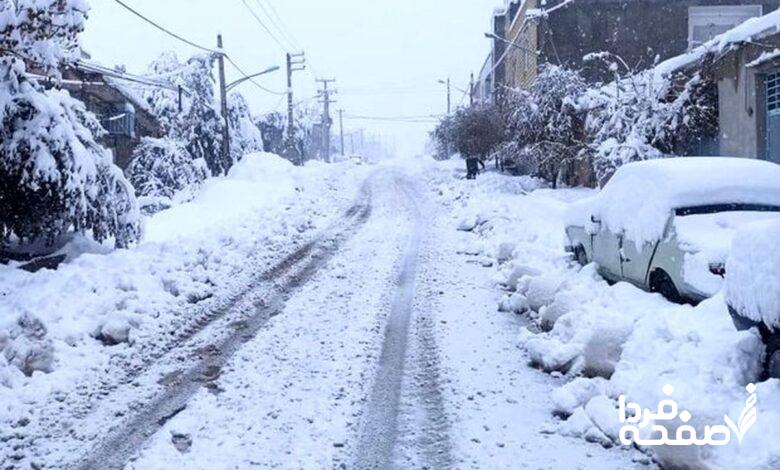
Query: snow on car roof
(641, 196)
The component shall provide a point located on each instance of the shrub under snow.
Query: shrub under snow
(161, 170)
(245, 135)
(54, 177)
(199, 125)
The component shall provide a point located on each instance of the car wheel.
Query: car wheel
(581, 256)
(773, 366)
(663, 284)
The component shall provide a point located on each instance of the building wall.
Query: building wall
(641, 32)
(742, 98)
(522, 66)
(738, 120)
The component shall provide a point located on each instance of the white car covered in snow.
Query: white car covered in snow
(667, 225)
(753, 286)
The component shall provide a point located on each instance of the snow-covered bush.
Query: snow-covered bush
(272, 128)
(471, 132)
(199, 124)
(245, 135)
(54, 177)
(162, 169)
(42, 32)
(443, 136)
(544, 122)
(642, 116)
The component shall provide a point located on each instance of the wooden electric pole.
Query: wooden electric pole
(225, 164)
(341, 129)
(449, 98)
(471, 91)
(295, 63)
(327, 122)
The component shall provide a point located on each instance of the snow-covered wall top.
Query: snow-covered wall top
(751, 29)
(640, 198)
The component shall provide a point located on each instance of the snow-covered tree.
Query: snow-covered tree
(199, 124)
(161, 170)
(545, 126)
(272, 126)
(245, 136)
(642, 115)
(476, 131)
(54, 177)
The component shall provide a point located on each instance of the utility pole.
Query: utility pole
(341, 129)
(449, 97)
(223, 97)
(295, 63)
(471, 91)
(327, 122)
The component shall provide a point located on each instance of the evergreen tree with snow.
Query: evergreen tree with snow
(54, 177)
(199, 123)
(272, 127)
(162, 170)
(245, 136)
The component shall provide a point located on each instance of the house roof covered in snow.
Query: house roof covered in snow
(750, 31)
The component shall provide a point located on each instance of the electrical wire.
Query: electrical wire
(275, 23)
(279, 18)
(193, 44)
(408, 119)
(252, 80)
(166, 31)
(263, 25)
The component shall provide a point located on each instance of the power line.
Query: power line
(276, 14)
(250, 79)
(276, 24)
(198, 46)
(163, 29)
(263, 25)
(406, 119)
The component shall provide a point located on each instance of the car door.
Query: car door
(606, 250)
(636, 258)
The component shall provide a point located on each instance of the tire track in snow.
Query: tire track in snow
(405, 412)
(179, 386)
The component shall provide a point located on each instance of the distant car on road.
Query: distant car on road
(753, 287)
(666, 225)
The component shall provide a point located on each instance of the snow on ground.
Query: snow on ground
(602, 341)
(501, 411)
(59, 325)
(292, 397)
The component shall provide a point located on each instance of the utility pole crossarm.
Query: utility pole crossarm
(295, 63)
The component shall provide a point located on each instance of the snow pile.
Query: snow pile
(134, 298)
(655, 188)
(753, 275)
(607, 341)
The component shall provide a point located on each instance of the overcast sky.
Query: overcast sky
(386, 55)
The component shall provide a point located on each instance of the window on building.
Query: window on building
(121, 122)
(704, 23)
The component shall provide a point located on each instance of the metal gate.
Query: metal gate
(773, 117)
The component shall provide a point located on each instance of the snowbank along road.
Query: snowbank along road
(376, 344)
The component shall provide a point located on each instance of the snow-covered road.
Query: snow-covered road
(386, 357)
(376, 343)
